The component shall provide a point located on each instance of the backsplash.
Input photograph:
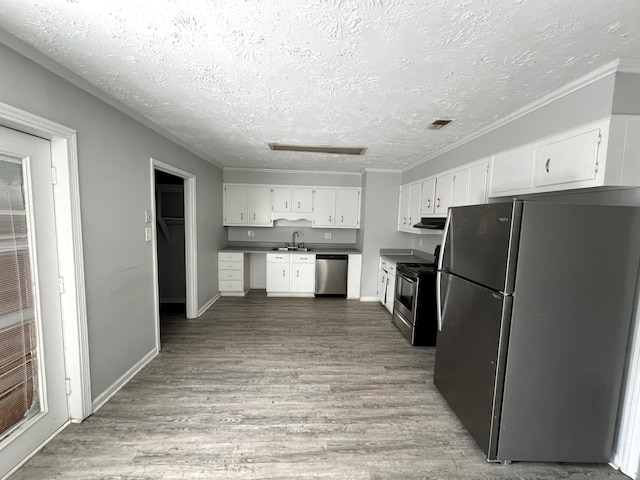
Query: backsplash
(284, 234)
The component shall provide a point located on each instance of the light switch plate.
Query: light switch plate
(147, 234)
(147, 216)
(251, 233)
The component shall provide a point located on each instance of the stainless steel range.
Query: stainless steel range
(414, 306)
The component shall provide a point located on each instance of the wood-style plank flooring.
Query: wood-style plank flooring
(267, 388)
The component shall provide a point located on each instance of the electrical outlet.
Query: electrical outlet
(420, 242)
(251, 233)
(147, 216)
(147, 234)
(327, 236)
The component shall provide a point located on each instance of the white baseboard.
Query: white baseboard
(40, 447)
(105, 396)
(369, 299)
(207, 305)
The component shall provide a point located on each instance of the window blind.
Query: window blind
(18, 342)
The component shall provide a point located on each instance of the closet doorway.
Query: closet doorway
(174, 236)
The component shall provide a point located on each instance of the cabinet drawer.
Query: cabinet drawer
(230, 256)
(230, 285)
(229, 265)
(391, 268)
(300, 258)
(278, 257)
(230, 275)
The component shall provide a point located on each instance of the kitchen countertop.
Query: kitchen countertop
(313, 249)
(405, 256)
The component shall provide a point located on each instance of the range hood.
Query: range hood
(433, 223)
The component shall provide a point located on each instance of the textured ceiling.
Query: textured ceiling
(229, 76)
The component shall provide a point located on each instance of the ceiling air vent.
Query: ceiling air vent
(438, 124)
(318, 149)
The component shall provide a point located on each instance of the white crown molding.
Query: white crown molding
(382, 170)
(275, 170)
(626, 65)
(41, 59)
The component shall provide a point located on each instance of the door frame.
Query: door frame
(191, 240)
(66, 192)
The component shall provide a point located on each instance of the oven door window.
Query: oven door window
(406, 292)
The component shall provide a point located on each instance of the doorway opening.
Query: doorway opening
(174, 238)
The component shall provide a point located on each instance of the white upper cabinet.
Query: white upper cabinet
(428, 197)
(336, 207)
(478, 179)
(236, 204)
(247, 205)
(409, 210)
(598, 154)
(444, 194)
(281, 199)
(571, 158)
(512, 171)
(324, 207)
(260, 206)
(348, 207)
(460, 193)
(302, 200)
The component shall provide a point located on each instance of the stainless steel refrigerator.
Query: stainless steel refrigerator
(535, 305)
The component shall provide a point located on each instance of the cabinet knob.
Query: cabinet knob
(283, 273)
(404, 220)
(342, 219)
(297, 273)
(329, 218)
(428, 203)
(241, 216)
(546, 165)
(286, 204)
(254, 216)
(437, 202)
(298, 204)
(410, 221)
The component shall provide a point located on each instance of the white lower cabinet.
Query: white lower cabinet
(233, 274)
(291, 274)
(391, 287)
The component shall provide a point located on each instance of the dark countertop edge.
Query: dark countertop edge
(314, 248)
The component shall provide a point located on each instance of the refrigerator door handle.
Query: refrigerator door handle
(445, 236)
(438, 300)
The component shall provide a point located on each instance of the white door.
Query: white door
(260, 206)
(415, 196)
(403, 210)
(303, 200)
(32, 375)
(281, 199)
(278, 279)
(428, 194)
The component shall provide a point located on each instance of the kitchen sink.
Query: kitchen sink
(291, 249)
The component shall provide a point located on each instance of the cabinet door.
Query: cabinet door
(302, 200)
(478, 177)
(427, 204)
(260, 206)
(236, 204)
(415, 197)
(570, 159)
(278, 277)
(444, 192)
(460, 194)
(324, 207)
(382, 285)
(348, 208)
(281, 199)
(512, 171)
(403, 209)
(303, 277)
(391, 291)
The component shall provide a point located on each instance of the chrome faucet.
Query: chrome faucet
(293, 239)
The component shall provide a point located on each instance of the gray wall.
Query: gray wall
(115, 189)
(380, 218)
(284, 234)
(589, 103)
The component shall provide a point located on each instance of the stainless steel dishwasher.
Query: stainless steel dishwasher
(331, 274)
